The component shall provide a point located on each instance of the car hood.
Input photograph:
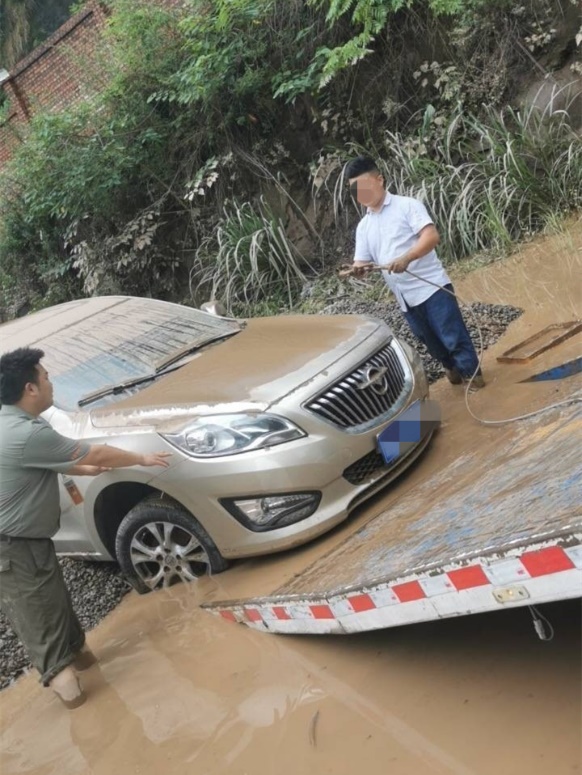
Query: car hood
(268, 359)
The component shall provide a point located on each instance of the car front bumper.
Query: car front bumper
(345, 468)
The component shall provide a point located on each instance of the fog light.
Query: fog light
(273, 511)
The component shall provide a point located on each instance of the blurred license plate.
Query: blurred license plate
(410, 427)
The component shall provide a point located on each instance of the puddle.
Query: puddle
(178, 689)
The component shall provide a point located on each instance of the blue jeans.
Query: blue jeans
(439, 325)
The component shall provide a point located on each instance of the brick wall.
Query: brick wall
(52, 76)
(55, 75)
(11, 129)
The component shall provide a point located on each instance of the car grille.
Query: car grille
(347, 405)
(365, 467)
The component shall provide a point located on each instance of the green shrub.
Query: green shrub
(248, 258)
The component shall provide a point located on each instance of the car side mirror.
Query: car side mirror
(214, 307)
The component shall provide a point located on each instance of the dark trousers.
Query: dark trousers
(439, 325)
(37, 603)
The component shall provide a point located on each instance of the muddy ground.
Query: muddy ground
(178, 690)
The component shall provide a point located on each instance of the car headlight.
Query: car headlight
(229, 434)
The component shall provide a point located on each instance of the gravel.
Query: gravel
(97, 588)
(492, 320)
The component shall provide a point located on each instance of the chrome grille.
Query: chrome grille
(348, 405)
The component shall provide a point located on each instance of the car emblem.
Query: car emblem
(375, 378)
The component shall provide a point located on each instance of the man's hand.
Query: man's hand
(398, 266)
(361, 269)
(156, 459)
(428, 239)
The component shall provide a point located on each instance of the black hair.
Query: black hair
(359, 166)
(17, 368)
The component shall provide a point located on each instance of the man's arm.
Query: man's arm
(47, 449)
(427, 240)
(104, 456)
(80, 470)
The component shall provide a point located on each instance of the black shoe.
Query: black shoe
(476, 383)
(453, 376)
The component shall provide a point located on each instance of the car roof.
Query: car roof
(32, 330)
(92, 344)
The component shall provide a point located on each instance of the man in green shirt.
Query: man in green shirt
(33, 595)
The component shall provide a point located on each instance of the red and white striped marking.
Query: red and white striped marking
(534, 575)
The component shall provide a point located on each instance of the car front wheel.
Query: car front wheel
(159, 543)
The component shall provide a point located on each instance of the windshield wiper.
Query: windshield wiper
(177, 355)
(112, 390)
(162, 367)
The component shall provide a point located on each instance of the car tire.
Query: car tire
(159, 543)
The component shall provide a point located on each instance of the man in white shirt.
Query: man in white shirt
(398, 234)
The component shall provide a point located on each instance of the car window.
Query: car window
(123, 342)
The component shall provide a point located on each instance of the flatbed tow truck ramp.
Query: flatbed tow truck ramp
(489, 518)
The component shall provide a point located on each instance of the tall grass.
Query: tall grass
(248, 258)
(487, 180)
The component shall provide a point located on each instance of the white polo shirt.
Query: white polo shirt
(384, 236)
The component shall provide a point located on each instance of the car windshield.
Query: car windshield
(133, 341)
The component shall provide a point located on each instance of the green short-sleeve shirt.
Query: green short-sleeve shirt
(32, 453)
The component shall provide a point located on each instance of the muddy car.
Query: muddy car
(279, 427)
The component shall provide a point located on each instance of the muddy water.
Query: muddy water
(178, 690)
